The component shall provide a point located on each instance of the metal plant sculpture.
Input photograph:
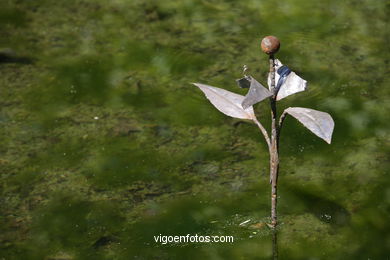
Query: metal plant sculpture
(282, 82)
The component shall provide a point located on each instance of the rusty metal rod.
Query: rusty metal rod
(270, 45)
(274, 156)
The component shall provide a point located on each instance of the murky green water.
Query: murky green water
(105, 144)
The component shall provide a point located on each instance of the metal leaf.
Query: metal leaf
(227, 102)
(293, 83)
(256, 93)
(320, 123)
(244, 82)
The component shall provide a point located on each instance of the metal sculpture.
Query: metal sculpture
(288, 83)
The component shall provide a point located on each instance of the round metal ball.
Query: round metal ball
(270, 45)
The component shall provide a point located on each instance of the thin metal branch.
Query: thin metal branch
(281, 120)
(274, 140)
(264, 132)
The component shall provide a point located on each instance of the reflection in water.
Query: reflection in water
(274, 244)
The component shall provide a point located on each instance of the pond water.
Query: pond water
(106, 144)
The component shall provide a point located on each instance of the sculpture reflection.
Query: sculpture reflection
(274, 245)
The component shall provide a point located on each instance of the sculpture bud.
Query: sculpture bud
(270, 45)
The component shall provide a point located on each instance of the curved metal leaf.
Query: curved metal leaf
(244, 82)
(320, 123)
(256, 93)
(293, 83)
(227, 102)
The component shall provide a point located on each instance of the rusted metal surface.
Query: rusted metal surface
(270, 44)
(274, 153)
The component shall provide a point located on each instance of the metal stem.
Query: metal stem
(281, 120)
(264, 132)
(274, 155)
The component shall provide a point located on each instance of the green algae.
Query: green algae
(104, 144)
